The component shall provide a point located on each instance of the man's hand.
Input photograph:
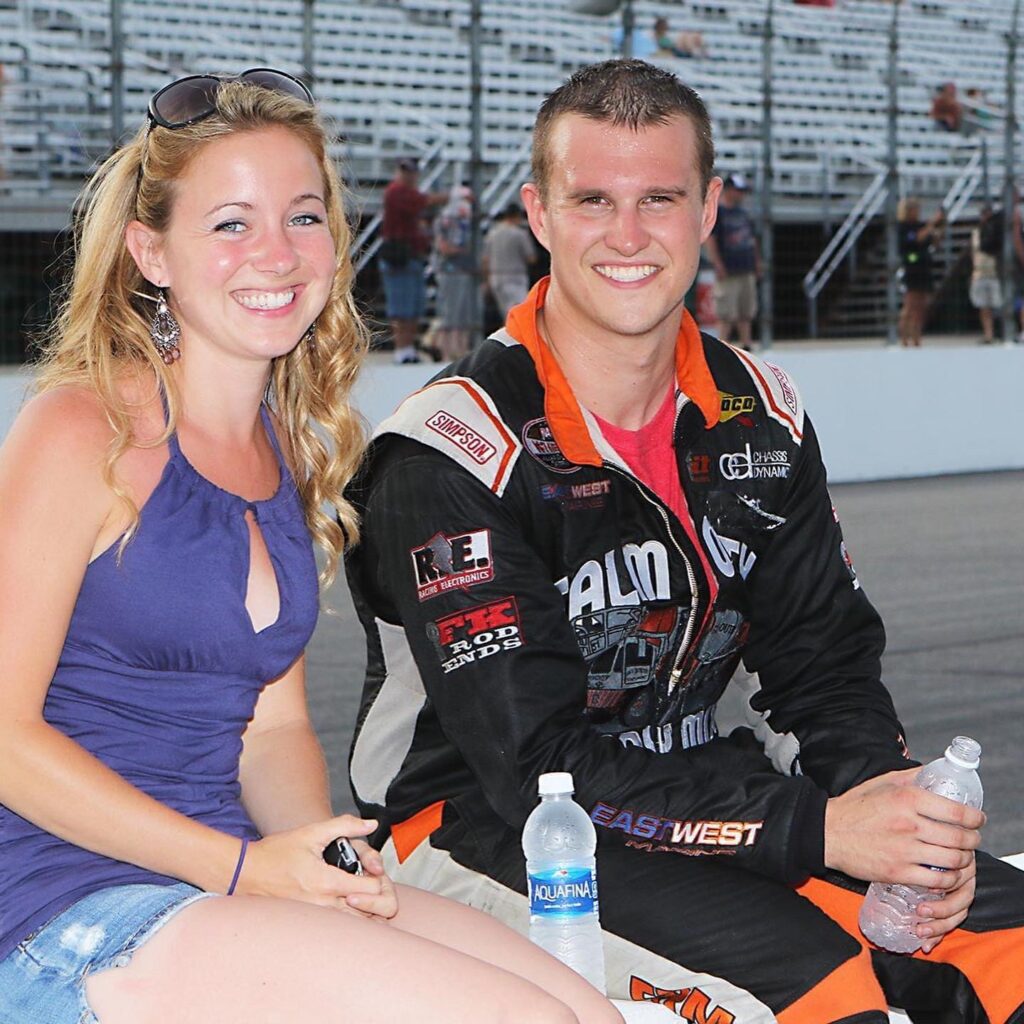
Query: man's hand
(889, 830)
(942, 916)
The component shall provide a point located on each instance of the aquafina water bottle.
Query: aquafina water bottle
(888, 916)
(559, 842)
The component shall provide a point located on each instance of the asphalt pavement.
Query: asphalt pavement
(942, 559)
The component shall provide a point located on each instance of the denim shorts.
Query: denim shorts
(43, 980)
(405, 290)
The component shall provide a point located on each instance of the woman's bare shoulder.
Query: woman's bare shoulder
(69, 419)
(68, 429)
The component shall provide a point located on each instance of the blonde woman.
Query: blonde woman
(191, 433)
(916, 238)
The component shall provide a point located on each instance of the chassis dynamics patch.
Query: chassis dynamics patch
(451, 563)
(468, 636)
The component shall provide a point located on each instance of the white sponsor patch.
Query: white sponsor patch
(778, 393)
(728, 554)
(475, 445)
(451, 563)
(456, 417)
(596, 584)
(754, 464)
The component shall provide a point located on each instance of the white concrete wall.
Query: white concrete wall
(890, 413)
(880, 413)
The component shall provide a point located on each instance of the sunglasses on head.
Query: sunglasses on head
(190, 99)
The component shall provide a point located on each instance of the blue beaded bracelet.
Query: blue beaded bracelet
(238, 867)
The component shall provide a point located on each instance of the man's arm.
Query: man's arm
(816, 645)
(816, 641)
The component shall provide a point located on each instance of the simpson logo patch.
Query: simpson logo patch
(466, 637)
(689, 1004)
(788, 392)
(450, 563)
(450, 427)
(778, 393)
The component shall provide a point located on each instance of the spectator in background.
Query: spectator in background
(734, 253)
(508, 254)
(405, 245)
(457, 300)
(986, 289)
(979, 112)
(682, 44)
(916, 238)
(947, 111)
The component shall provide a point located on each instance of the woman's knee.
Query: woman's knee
(545, 1010)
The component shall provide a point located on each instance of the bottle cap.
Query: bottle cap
(964, 752)
(551, 783)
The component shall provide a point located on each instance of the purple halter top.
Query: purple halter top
(160, 673)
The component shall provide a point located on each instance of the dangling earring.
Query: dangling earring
(164, 330)
(310, 334)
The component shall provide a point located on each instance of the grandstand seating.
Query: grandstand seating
(394, 76)
(829, 92)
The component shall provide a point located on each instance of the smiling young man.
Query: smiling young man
(571, 539)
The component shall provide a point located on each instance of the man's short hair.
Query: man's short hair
(623, 92)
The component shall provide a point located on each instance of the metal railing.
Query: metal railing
(841, 245)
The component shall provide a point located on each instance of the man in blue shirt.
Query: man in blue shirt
(733, 250)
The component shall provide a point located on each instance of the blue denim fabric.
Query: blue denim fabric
(405, 290)
(43, 980)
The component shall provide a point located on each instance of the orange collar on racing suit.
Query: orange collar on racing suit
(560, 406)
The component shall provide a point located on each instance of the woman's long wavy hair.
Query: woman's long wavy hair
(100, 336)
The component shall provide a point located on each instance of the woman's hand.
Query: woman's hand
(290, 865)
(385, 904)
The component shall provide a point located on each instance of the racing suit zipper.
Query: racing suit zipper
(691, 625)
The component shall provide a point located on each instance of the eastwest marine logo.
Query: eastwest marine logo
(691, 1004)
(679, 833)
(449, 563)
(736, 405)
(466, 637)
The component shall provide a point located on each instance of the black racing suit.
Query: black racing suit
(531, 606)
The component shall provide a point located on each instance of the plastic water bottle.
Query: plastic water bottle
(889, 915)
(559, 842)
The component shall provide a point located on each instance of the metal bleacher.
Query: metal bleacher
(394, 77)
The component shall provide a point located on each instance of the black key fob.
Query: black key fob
(341, 854)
